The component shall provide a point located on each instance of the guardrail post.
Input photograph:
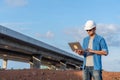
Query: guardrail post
(63, 65)
(4, 66)
(36, 61)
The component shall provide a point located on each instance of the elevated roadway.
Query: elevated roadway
(18, 47)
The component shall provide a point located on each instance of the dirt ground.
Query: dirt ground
(38, 74)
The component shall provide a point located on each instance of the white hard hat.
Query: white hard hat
(89, 25)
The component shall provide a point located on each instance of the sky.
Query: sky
(57, 22)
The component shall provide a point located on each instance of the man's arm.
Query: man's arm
(102, 52)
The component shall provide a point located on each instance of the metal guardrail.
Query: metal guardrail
(34, 42)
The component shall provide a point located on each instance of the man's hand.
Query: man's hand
(90, 50)
(80, 52)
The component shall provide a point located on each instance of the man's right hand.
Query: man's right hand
(80, 52)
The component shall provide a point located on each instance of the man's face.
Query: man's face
(91, 32)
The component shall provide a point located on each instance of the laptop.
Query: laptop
(75, 46)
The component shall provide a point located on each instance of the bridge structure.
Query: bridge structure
(18, 47)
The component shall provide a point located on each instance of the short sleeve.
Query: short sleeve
(103, 45)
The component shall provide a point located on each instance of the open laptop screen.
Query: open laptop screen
(75, 46)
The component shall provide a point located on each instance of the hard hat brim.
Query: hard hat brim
(88, 28)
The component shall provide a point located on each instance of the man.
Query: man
(94, 47)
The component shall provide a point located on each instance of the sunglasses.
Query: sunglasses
(89, 30)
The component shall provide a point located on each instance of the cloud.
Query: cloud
(48, 34)
(111, 63)
(109, 31)
(16, 3)
(118, 17)
(76, 33)
(21, 27)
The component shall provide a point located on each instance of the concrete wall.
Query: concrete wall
(37, 74)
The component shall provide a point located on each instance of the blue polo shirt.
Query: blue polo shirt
(98, 44)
